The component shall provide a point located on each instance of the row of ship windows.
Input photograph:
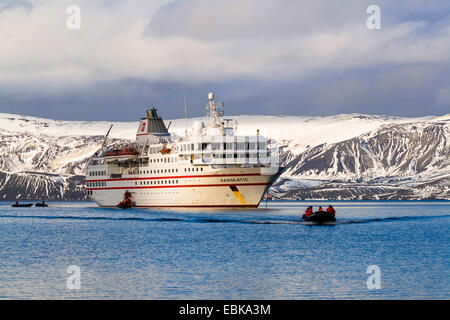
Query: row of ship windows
(157, 171)
(225, 146)
(103, 183)
(103, 173)
(97, 173)
(170, 170)
(165, 160)
(143, 183)
(96, 184)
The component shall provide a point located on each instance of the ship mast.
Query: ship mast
(214, 113)
(185, 113)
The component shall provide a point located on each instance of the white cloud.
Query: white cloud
(203, 41)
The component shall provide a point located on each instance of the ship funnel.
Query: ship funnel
(151, 129)
(154, 124)
(210, 96)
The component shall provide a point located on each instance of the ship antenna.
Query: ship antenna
(185, 112)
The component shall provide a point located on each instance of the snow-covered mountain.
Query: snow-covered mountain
(351, 156)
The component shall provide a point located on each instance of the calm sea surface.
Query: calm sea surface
(266, 253)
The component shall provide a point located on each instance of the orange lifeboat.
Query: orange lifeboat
(122, 151)
(165, 150)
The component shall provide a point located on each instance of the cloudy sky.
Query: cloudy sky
(260, 56)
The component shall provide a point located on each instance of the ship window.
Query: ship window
(201, 169)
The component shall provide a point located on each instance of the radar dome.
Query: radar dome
(197, 128)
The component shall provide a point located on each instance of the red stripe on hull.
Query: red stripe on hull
(184, 186)
(178, 177)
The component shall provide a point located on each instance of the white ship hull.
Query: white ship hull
(226, 188)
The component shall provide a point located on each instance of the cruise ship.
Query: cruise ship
(208, 166)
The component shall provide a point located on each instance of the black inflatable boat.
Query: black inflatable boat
(26, 205)
(41, 205)
(320, 217)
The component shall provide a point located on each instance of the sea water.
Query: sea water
(375, 250)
